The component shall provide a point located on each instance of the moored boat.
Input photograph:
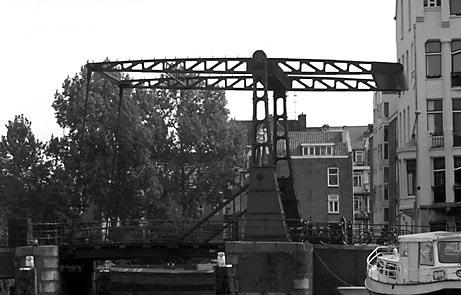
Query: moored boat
(425, 263)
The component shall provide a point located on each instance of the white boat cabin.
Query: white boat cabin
(418, 258)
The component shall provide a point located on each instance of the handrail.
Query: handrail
(376, 253)
(212, 213)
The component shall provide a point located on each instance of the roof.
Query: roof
(358, 135)
(316, 136)
(430, 236)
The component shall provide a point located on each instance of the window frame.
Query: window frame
(333, 174)
(332, 200)
(455, 52)
(435, 53)
(452, 9)
(361, 153)
(316, 150)
(432, 3)
(433, 113)
(456, 112)
(357, 175)
(435, 177)
(430, 261)
(411, 177)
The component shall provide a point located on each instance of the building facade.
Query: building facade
(424, 122)
(359, 138)
(322, 170)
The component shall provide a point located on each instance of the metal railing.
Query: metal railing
(162, 231)
(437, 140)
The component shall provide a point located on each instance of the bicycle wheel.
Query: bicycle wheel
(342, 238)
(324, 237)
(391, 239)
(366, 237)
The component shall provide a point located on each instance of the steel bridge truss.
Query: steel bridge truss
(237, 74)
(270, 141)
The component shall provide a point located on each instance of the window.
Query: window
(455, 7)
(357, 179)
(386, 142)
(431, 3)
(386, 183)
(317, 150)
(456, 63)
(449, 251)
(457, 162)
(386, 215)
(359, 157)
(434, 116)
(200, 209)
(227, 210)
(333, 204)
(433, 59)
(439, 180)
(333, 177)
(456, 103)
(426, 255)
(356, 204)
(411, 177)
(386, 109)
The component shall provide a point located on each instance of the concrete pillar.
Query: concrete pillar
(46, 262)
(271, 267)
(447, 119)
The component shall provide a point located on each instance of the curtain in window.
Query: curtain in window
(455, 7)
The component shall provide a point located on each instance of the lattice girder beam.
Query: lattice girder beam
(236, 66)
(298, 83)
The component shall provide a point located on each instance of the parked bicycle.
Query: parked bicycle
(384, 237)
(333, 233)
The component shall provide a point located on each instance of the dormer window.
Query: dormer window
(317, 150)
(432, 3)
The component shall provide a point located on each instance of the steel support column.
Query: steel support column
(265, 219)
(282, 159)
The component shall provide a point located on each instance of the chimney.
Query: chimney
(302, 121)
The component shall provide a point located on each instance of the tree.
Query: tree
(155, 153)
(107, 152)
(25, 174)
(205, 149)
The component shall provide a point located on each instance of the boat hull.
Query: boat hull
(436, 288)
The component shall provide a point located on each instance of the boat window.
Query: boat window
(426, 257)
(403, 249)
(449, 251)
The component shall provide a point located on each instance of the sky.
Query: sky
(44, 41)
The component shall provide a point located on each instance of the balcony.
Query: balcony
(437, 140)
(439, 194)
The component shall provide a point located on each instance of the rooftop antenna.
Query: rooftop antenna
(295, 96)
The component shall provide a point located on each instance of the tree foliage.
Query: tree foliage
(26, 174)
(152, 153)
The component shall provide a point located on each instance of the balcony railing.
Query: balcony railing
(437, 140)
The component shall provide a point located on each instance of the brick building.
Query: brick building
(322, 169)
